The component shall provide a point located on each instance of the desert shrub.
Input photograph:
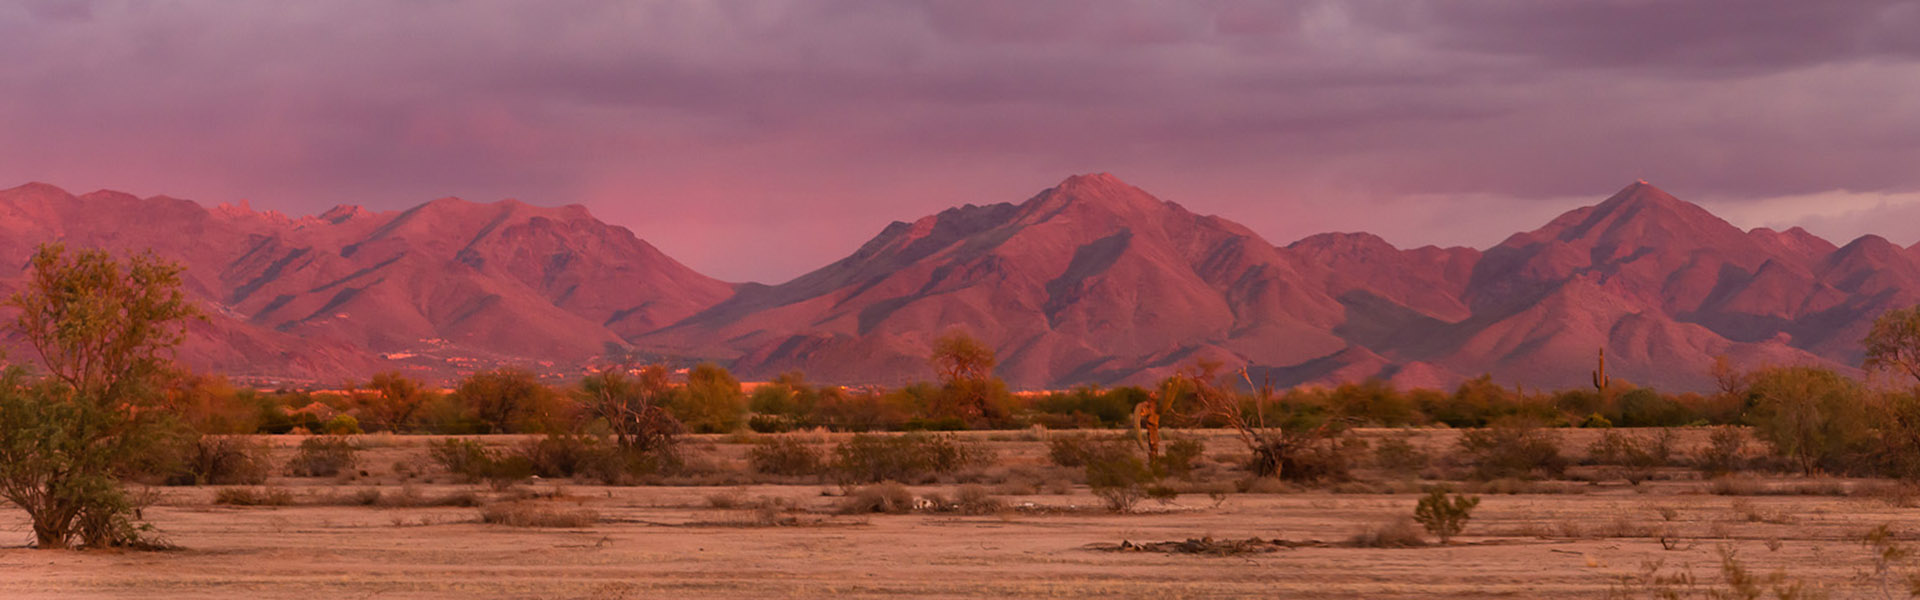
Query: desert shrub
(323, 456)
(1723, 452)
(784, 455)
(914, 456)
(770, 423)
(467, 458)
(1736, 485)
(1396, 454)
(1117, 476)
(1632, 457)
(537, 514)
(1309, 456)
(976, 499)
(1644, 407)
(564, 455)
(222, 460)
(342, 425)
(1512, 449)
(240, 496)
(1398, 532)
(885, 497)
(1176, 460)
(1444, 515)
(1069, 450)
(1088, 407)
(475, 462)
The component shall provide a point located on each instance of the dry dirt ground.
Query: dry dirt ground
(668, 541)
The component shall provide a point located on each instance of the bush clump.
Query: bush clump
(1118, 476)
(784, 455)
(323, 456)
(1512, 449)
(886, 497)
(1400, 532)
(475, 462)
(241, 496)
(1445, 515)
(1397, 455)
(525, 513)
(222, 460)
(1632, 457)
(913, 457)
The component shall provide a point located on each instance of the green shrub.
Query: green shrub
(323, 456)
(1445, 515)
(1813, 416)
(784, 455)
(343, 425)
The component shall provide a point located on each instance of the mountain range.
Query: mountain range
(1090, 281)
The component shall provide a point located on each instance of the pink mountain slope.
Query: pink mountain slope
(1092, 280)
(441, 288)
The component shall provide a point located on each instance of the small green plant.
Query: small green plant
(323, 456)
(1445, 515)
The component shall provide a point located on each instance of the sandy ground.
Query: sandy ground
(667, 542)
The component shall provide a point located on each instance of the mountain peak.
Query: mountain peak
(1641, 192)
(1101, 191)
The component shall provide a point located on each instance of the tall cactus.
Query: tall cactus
(1600, 379)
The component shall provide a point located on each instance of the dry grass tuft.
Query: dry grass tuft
(1400, 532)
(239, 496)
(537, 514)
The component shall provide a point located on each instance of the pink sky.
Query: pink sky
(758, 140)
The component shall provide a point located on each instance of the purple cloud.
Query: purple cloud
(756, 140)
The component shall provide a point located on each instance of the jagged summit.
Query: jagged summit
(1092, 280)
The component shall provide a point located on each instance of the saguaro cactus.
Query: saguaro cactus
(1600, 380)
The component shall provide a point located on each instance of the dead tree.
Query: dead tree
(1294, 450)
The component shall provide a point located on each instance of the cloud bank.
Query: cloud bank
(756, 140)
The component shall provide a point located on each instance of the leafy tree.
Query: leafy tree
(392, 400)
(504, 400)
(101, 328)
(968, 388)
(1894, 343)
(1814, 416)
(633, 407)
(713, 402)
